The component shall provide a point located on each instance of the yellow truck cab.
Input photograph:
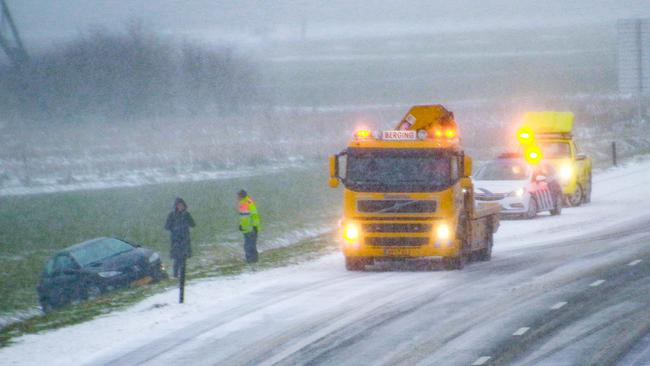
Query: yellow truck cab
(408, 194)
(552, 133)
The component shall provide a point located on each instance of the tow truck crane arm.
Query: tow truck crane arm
(427, 117)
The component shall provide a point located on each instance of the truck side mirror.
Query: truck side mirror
(467, 166)
(334, 180)
(581, 156)
(466, 184)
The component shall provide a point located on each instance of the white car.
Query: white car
(522, 190)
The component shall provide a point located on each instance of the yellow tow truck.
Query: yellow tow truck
(408, 194)
(549, 134)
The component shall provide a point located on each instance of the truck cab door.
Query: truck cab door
(578, 158)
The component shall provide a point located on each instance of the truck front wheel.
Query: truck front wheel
(452, 263)
(532, 209)
(485, 254)
(575, 199)
(587, 198)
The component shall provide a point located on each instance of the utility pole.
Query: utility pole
(10, 41)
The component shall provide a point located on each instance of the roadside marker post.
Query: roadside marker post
(181, 283)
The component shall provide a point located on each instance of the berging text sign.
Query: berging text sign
(399, 135)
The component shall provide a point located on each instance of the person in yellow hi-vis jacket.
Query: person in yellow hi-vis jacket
(249, 225)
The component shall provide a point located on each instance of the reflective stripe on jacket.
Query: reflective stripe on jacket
(248, 216)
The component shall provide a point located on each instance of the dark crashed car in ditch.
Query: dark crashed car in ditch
(88, 269)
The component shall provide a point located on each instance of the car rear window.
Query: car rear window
(98, 250)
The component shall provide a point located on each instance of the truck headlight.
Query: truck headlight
(518, 193)
(351, 231)
(442, 232)
(566, 172)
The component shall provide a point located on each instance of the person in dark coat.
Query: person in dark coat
(179, 222)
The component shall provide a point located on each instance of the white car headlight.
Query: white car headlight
(109, 274)
(517, 193)
(154, 257)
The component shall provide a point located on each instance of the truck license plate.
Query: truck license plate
(397, 252)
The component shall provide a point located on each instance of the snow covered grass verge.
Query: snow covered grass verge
(307, 248)
(136, 178)
(33, 227)
(619, 197)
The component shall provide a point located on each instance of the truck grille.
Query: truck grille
(396, 242)
(396, 206)
(396, 228)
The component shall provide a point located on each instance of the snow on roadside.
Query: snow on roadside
(296, 236)
(619, 195)
(141, 178)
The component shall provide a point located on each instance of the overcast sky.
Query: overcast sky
(42, 20)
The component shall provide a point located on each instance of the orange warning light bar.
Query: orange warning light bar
(533, 154)
(525, 136)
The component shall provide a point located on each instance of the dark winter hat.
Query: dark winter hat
(242, 193)
(179, 200)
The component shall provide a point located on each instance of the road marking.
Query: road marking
(597, 283)
(558, 305)
(481, 361)
(521, 331)
(635, 262)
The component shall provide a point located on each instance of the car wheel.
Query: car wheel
(575, 199)
(558, 205)
(93, 292)
(532, 209)
(46, 306)
(159, 275)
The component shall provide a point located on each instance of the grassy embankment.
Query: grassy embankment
(295, 204)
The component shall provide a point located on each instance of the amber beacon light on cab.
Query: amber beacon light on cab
(408, 194)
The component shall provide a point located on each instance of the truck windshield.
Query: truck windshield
(399, 170)
(555, 149)
(503, 170)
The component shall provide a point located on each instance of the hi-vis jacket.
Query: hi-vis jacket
(248, 216)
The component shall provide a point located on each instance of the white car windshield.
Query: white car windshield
(503, 170)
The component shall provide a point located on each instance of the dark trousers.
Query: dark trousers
(177, 264)
(250, 247)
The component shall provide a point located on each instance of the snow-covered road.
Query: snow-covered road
(571, 289)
